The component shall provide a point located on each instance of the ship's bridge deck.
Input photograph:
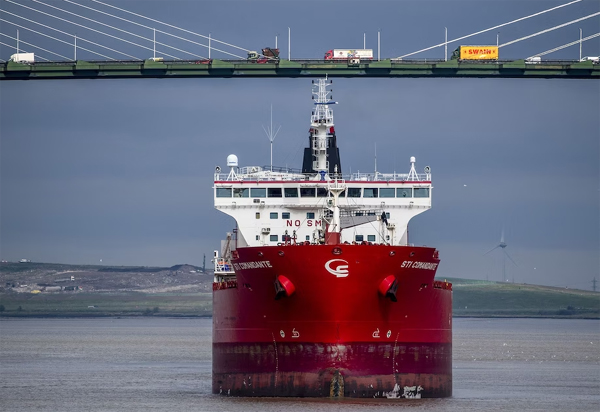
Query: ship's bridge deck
(279, 174)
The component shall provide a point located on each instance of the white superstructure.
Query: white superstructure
(275, 206)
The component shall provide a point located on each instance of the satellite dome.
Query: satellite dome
(413, 159)
(232, 160)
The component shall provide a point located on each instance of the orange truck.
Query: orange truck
(475, 53)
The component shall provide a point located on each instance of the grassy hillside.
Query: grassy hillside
(105, 304)
(39, 289)
(481, 298)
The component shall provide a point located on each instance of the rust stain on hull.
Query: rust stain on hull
(333, 384)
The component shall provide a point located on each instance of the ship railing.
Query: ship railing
(398, 177)
(354, 212)
(252, 174)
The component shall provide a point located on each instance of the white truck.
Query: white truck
(349, 54)
(595, 59)
(22, 58)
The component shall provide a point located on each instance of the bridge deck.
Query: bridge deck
(298, 68)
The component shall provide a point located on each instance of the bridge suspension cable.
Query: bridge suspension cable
(550, 29)
(118, 29)
(174, 27)
(80, 25)
(136, 35)
(160, 31)
(32, 45)
(565, 46)
(68, 34)
(491, 28)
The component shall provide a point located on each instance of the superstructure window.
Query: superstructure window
(290, 192)
(274, 192)
(258, 215)
(321, 192)
(241, 192)
(354, 191)
(273, 238)
(310, 215)
(223, 192)
(421, 191)
(307, 192)
(404, 192)
(370, 192)
(274, 215)
(343, 194)
(387, 192)
(258, 192)
(285, 215)
(359, 238)
(371, 238)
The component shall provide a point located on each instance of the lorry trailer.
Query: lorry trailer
(22, 58)
(348, 54)
(476, 53)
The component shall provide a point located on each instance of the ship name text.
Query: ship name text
(261, 264)
(410, 264)
(298, 223)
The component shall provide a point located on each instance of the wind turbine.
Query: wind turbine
(502, 245)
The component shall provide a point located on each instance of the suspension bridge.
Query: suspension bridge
(115, 46)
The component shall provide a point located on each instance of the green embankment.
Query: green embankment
(491, 299)
(472, 298)
(105, 304)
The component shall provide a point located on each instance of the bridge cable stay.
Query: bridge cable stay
(63, 41)
(491, 28)
(175, 27)
(80, 25)
(121, 30)
(565, 45)
(160, 31)
(32, 45)
(550, 29)
(133, 34)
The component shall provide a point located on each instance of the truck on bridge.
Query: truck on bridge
(475, 53)
(23, 58)
(269, 55)
(350, 55)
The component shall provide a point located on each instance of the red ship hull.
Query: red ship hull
(333, 331)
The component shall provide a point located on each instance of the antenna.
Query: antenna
(375, 158)
(271, 135)
(505, 255)
(594, 284)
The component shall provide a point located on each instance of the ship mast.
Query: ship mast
(321, 126)
(321, 123)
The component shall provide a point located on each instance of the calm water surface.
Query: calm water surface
(158, 364)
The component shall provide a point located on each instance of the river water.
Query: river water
(160, 364)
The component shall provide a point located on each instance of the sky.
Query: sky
(120, 171)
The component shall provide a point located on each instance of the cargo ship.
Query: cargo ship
(317, 291)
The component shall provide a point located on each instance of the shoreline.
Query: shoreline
(188, 316)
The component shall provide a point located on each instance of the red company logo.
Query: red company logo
(340, 271)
